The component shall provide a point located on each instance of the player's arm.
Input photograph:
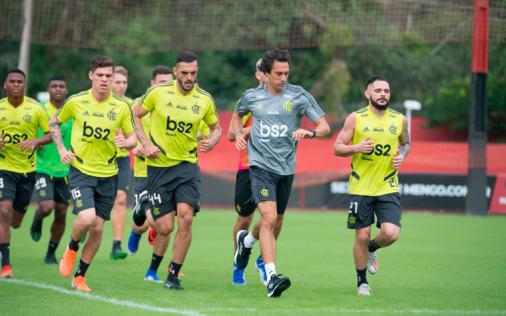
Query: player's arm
(404, 145)
(207, 143)
(55, 132)
(239, 134)
(232, 129)
(343, 146)
(149, 150)
(127, 140)
(322, 129)
(30, 144)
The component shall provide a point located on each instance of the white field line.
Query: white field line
(141, 306)
(104, 299)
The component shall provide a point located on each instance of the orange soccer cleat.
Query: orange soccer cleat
(6, 272)
(79, 283)
(67, 262)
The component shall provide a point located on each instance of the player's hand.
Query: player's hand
(119, 139)
(366, 146)
(151, 151)
(138, 151)
(240, 142)
(205, 144)
(66, 156)
(27, 145)
(301, 133)
(397, 160)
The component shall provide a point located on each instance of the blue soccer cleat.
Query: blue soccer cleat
(133, 242)
(260, 266)
(238, 276)
(152, 276)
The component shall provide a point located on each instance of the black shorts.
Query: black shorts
(270, 186)
(124, 173)
(48, 188)
(18, 188)
(362, 209)
(92, 192)
(243, 200)
(140, 188)
(168, 186)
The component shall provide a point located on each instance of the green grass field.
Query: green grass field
(442, 265)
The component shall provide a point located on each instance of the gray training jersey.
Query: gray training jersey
(271, 145)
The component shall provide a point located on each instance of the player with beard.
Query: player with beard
(378, 139)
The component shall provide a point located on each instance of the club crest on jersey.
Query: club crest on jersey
(112, 115)
(27, 118)
(392, 129)
(288, 106)
(259, 106)
(264, 192)
(196, 108)
(84, 114)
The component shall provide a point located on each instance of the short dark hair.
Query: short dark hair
(186, 57)
(160, 70)
(15, 71)
(101, 62)
(271, 56)
(375, 78)
(55, 78)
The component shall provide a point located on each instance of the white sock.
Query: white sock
(270, 269)
(249, 241)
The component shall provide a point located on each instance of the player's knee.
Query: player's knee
(363, 236)
(121, 198)
(164, 229)
(243, 222)
(391, 235)
(45, 210)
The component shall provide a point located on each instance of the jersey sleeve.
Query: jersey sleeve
(242, 106)
(66, 112)
(210, 118)
(43, 120)
(148, 101)
(127, 121)
(310, 107)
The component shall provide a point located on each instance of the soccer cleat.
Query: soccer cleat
(152, 276)
(173, 283)
(117, 253)
(242, 253)
(364, 290)
(79, 283)
(139, 210)
(238, 276)
(372, 263)
(133, 243)
(67, 262)
(151, 236)
(277, 284)
(260, 266)
(50, 259)
(36, 229)
(6, 272)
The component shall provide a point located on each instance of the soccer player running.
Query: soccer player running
(277, 109)
(378, 139)
(243, 200)
(102, 124)
(119, 87)
(20, 119)
(160, 75)
(174, 178)
(51, 186)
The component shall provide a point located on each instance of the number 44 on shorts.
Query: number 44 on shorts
(155, 199)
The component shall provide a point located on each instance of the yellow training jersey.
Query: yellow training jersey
(18, 124)
(94, 129)
(122, 152)
(175, 122)
(373, 174)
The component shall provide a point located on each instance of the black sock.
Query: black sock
(155, 262)
(74, 244)
(81, 269)
(361, 276)
(373, 246)
(51, 248)
(116, 243)
(174, 269)
(5, 251)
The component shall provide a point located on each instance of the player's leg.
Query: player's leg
(160, 245)
(141, 204)
(388, 212)
(360, 218)
(44, 191)
(118, 217)
(61, 200)
(25, 184)
(6, 211)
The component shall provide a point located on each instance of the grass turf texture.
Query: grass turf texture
(442, 265)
